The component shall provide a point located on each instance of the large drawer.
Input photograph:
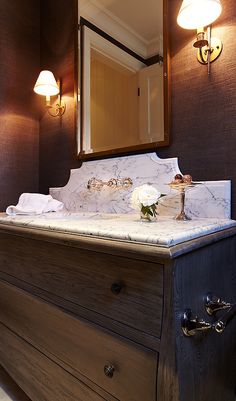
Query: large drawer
(82, 346)
(39, 377)
(125, 290)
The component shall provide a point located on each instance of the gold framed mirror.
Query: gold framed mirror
(124, 77)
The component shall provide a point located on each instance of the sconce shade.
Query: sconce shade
(198, 13)
(46, 84)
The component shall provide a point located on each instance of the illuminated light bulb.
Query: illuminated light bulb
(198, 13)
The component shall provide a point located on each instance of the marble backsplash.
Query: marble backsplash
(209, 199)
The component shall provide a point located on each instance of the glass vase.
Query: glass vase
(147, 217)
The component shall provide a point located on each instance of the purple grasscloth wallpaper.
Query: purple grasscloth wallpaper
(59, 53)
(203, 115)
(203, 109)
(19, 127)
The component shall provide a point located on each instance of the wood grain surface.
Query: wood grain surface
(38, 376)
(85, 278)
(84, 347)
(207, 361)
(199, 368)
(168, 377)
(9, 390)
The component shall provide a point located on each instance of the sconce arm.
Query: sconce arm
(58, 110)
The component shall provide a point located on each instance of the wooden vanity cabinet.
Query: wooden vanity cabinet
(89, 319)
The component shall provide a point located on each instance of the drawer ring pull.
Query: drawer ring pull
(116, 288)
(109, 370)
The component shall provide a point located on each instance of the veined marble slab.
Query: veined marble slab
(164, 232)
(210, 199)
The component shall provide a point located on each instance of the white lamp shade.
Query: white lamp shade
(194, 14)
(46, 84)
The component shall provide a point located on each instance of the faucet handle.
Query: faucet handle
(112, 183)
(94, 183)
(117, 183)
(127, 183)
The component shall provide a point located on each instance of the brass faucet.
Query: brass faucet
(115, 183)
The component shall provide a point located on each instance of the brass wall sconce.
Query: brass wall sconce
(46, 85)
(197, 14)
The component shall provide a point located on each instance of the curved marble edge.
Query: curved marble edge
(86, 165)
(172, 161)
(213, 199)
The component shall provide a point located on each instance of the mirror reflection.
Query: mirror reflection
(122, 76)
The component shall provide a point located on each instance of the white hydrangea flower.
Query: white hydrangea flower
(148, 195)
(135, 202)
(145, 195)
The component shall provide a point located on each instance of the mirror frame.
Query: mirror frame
(166, 83)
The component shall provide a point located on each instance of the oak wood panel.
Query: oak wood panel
(119, 328)
(168, 380)
(85, 278)
(206, 362)
(83, 346)
(10, 391)
(38, 376)
(188, 368)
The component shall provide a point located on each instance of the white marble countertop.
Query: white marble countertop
(164, 232)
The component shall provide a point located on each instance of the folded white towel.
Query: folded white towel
(33, 204)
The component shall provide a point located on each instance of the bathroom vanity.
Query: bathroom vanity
(91, 307)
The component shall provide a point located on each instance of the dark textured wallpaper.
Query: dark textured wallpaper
(19, 128)
(203, 109)
(34, 36)
(203, 115)
(57, 146)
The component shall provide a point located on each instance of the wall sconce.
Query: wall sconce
(197, 14)
(46, 85)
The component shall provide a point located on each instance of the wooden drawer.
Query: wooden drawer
(39, 377)
(88, 278)
(85, 348)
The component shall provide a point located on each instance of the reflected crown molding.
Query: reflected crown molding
(114, 26)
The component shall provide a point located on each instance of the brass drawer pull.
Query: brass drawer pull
(213, 304)
(191, 325)
(116, 288)
(109, 370)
